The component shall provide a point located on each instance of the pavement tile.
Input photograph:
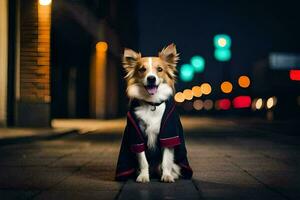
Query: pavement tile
(216, 191)
(45, 178)
(26, 162)
(13, 177)
(17, 194)
(76, 195)
(85, 181)
(70, 161)
(231, 185)
(181, 189)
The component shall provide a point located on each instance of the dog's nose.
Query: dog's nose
(151, 79)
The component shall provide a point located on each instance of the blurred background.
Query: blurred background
(62, 59)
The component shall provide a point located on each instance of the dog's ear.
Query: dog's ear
(130, 61)
(130, 58)
(169, 55)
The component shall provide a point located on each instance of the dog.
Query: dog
(153, 142)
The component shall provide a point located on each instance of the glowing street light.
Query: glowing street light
(186, 72)
(188, 94)
(179, 97)
(206, 88)
(198, 63)
(259, 103)
(197, 91)
(244, 81)
(222, 54)
(271, 102)
(222, 41)
(226, 87)
(101, 46)
(45, 2)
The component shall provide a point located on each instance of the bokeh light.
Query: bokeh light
(222, 54)
(208, 104)
(45, 2)
(188, 94)
(242, 102)
(179, 97)
(197, 91)
(244, 81)
(223, 104)
(295, 75)
(198, 63)
(198, 104)
(186, 72)
(271, 102)
(222, 41)
(258, 104)
(226, 87)
(101, 46)
(206, 88)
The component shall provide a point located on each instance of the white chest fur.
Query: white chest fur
(150, 121)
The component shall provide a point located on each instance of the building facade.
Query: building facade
(62, 59)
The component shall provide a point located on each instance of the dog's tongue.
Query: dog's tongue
(151, 90)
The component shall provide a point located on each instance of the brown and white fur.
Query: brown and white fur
(152, 79)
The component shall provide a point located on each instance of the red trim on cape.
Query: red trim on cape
(169, 142)
(126, 173)
(137, 148)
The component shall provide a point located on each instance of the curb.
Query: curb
(47, 136)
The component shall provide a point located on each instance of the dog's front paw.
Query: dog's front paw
(143, 178)
(167, 178)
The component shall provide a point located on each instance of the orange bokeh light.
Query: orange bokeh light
(179, 97)
(102, 46)
(188, 94)
(226, 87)
(244, 81)
(206, 88)
(197, 91)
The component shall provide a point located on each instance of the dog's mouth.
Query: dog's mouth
(151, 89)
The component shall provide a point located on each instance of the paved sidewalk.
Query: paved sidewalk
(230, 161)
(17, 133)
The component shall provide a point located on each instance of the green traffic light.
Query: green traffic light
(198, 63)
(186, 72)
(223, 54)
(222, 41)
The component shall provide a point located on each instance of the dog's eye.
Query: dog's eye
(159, 69)
(142, 70)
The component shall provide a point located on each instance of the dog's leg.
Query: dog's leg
(167, 165)
(143, 177)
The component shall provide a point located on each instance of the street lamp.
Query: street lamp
(45, 2)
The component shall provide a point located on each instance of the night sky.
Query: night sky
(256, 28)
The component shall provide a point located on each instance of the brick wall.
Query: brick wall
(34, 75)
(3, 60)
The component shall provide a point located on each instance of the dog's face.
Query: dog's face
(150, 75)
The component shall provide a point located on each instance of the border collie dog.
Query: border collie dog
(153, 143)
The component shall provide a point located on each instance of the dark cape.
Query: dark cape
(134, 141)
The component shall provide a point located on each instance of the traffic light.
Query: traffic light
(222, 43)
(198, 63)
(186, 72)
(222, 54)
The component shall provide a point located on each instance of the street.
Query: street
(231, 159)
